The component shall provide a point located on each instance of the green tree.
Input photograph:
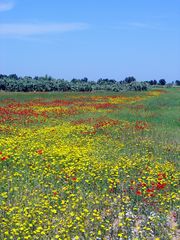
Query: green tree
(129, 79)
(177, 82)
(162, 82)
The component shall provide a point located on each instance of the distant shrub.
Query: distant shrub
(14, 83)
(162, 82)
(177, 82)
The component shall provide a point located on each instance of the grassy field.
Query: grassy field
(98, 166)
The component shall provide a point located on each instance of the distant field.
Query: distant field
(96, 165)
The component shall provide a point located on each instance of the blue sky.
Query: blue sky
(91, 38)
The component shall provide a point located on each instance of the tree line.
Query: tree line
(15, 83)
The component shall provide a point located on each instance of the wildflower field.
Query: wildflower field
(95, 166)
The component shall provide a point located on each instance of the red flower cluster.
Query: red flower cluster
(141, 125)
(109, 122)
(142, 188)
(103, 105)
(39, 151)
(160, 185)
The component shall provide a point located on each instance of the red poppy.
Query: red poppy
(138, 192)
(160, 185)
(4, 158)
(152, 195)
(39, 151)
(74, 178)
(55, 193)
(149, 190)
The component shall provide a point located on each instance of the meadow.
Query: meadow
(95, 166)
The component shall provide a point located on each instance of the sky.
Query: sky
(91, 38)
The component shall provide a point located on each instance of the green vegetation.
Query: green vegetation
(13, 83)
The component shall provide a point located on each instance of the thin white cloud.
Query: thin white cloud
(138, 25)
(6, 6)
(22, 29)
(145, 26)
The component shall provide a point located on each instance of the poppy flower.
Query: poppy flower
(4, 158)
(160, 185)
(39, 151)
(138, 192)
(151, 195)
(150, 190)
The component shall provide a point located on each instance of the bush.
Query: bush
(14, 83)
